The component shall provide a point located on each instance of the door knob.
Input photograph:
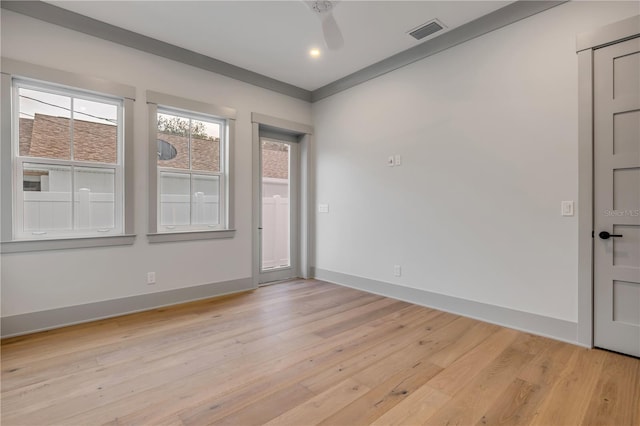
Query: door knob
(605, 235)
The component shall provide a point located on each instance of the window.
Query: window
(191, 146)
(66, 159)
(68, 162)
(191, 175)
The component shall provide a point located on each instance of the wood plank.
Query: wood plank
(420, 351)
(274, 405)
(190, 335)
(519, 403)
(231, 372)
(616, 398)
(569, 398)
(309, 352)
(469, 340)
(309, 366)
(546, 367)
(401, 342)
(350, 323)
(415, 409)
(323, 405)
(384, 396)
(458, 374)
(470, 403)
(515, 406)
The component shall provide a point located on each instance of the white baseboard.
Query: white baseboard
(16, 325)
(554, 328)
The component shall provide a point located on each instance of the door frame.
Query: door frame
(293, 270)
(585, 45)
(305, 212)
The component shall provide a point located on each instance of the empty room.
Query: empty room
(320, 212)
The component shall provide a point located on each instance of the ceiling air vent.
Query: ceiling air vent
(427, 29)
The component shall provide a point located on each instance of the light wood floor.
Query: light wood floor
(305, 353)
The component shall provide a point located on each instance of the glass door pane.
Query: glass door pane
(276, 209)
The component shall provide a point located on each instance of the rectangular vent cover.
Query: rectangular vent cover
(426, 30)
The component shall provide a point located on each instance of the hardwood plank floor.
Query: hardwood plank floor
(308, 352)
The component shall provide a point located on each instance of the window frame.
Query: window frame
(19, 161)
(84, 87)
(169, 104)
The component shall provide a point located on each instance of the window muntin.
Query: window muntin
(67, 162)
(191, 183)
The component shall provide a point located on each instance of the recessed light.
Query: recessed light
(314, 53)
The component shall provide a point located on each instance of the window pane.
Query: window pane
(174, 199)
(44, 129)
(95, 131)
(47, 198)
(205, 146)
(276, 209)
(206, 200)
(94, 201)
(173, 141)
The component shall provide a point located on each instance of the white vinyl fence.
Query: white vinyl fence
(175, 209)
(275, 224)
(189, 199)
(52, 210)
(52, 207)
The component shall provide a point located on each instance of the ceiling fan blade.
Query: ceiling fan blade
(332, 34)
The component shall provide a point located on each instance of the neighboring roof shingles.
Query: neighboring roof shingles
(205, 153)
(275, 161)
(47, 136)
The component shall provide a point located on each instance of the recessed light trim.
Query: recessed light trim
(314, 53)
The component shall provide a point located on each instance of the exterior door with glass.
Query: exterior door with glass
(279, 165)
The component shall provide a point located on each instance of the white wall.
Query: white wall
(488, 136)
(45, 280)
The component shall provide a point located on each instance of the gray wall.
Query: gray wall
(42, 281)
(488, 135)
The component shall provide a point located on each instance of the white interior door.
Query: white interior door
(279, 160)
(617, 197)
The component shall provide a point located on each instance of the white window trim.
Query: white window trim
(173, 104)
(11, 69)
(19, 161)
(221, 174)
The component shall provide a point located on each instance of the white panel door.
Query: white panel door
(617, 197)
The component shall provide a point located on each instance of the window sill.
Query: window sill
(22, 246)
(167, 237)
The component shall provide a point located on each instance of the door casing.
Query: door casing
(306, 200)
(293, 270)
(585, 45)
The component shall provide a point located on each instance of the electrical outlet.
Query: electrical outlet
(397, 270)
(323, 208)
(151, 278)
(397, 160)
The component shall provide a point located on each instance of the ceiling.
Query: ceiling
(273, 38)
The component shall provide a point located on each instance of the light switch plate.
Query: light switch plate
(323, 208)
(567, 208)
(390, 161)
(397, 270)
